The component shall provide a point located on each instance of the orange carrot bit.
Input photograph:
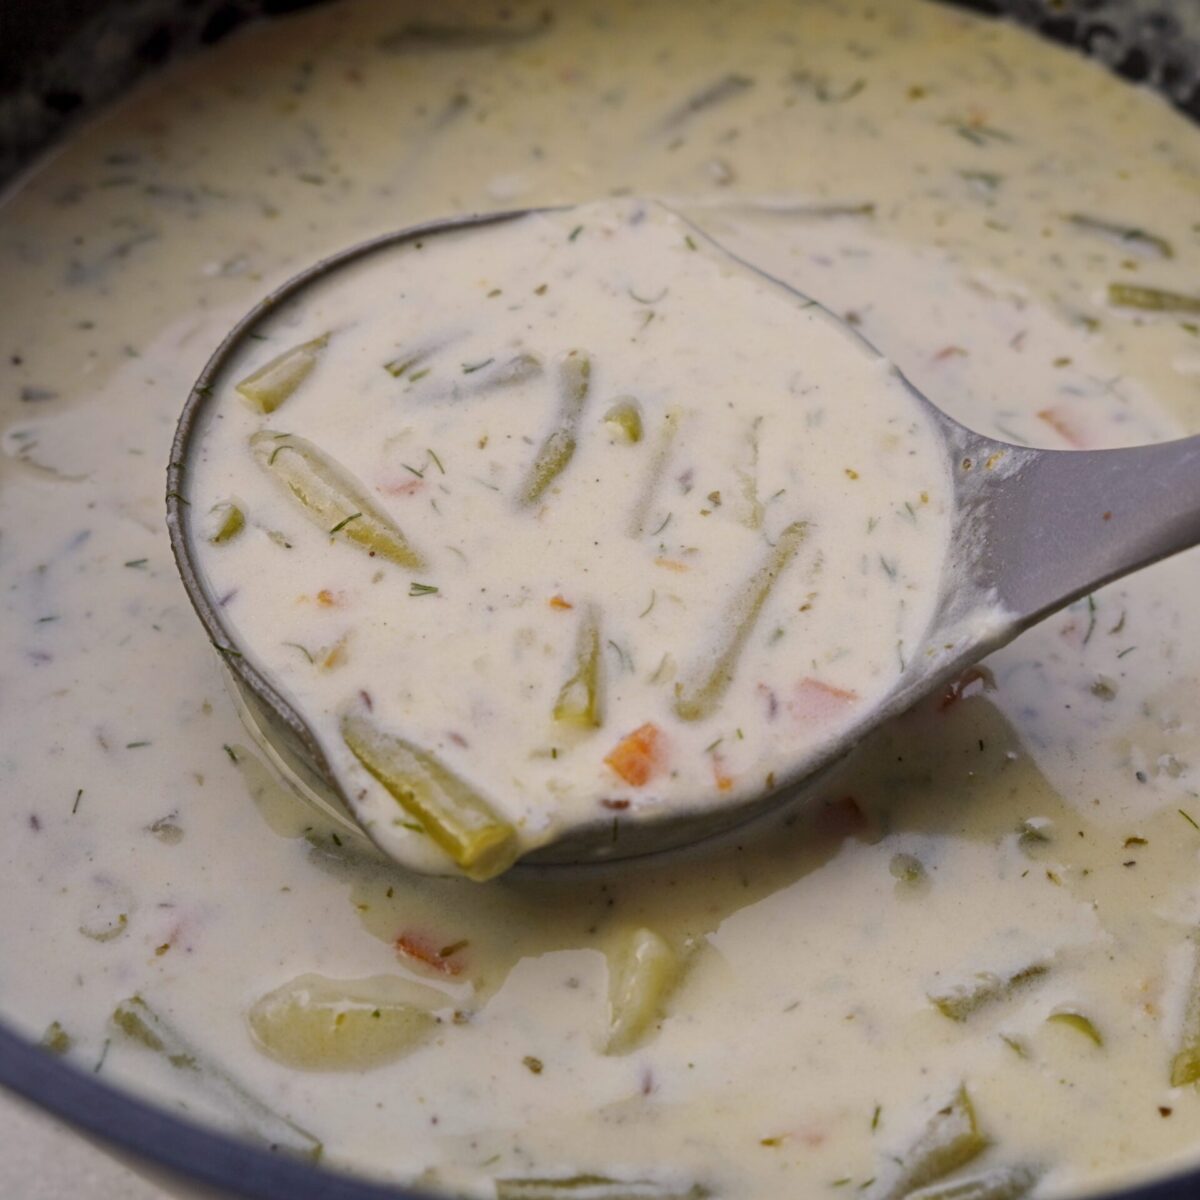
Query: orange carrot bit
(328, 599)
(445, 960)
(671, 564)
(956, 690)
(638, 756)
(949, 352)
(723, 780)
(558, 602)
(409, 487)
(816, 700)
(1066, 429)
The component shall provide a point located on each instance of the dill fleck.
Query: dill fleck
(344, 522)
(1189, 819)
(437, 462)
(1091, 607)
(135, 563)
(78, 797)
(575, 233)
(422, 589)
(471, 368)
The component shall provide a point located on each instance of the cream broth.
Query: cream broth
(974, 954)
(643, 530)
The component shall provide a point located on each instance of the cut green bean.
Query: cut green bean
(960, 1000)
(331, 497)
(142, 1024)
(318, 1024)
(700, 692)
(1149, 299)
(653, 478)
(716, 93)
(1080, 1023)
(1126, 235)
(1001, 1183)
(579, 700)
(225, 522)
(951, 1139)
(269, 386)
(1185, 1066)
(519, 369)
(558, 449)
(752, 517)
(595, 1187)
(424, 36)
(56, 1039)
(643, 973)
(624, 417)
(448, 809)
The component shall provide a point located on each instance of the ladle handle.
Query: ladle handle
(1071, 520)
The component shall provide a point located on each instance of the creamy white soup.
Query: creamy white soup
(967, 969)
(667, 528)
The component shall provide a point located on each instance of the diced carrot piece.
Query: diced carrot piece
(637, 757)
(445, 960)
(671, 564)
(723, 780)
(1066, 429)
(559, 603)
(816, 700)
(408, 487)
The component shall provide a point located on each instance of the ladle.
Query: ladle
(1034, 530)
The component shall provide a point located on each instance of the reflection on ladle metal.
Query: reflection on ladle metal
(1033, 530)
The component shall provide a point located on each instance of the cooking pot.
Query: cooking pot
(61, 58)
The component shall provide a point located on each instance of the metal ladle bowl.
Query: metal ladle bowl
(1033, 531)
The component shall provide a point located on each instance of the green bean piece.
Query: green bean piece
(654, 474)
(624, 417)
(1001, 1183)
(1149, 299)
(558, 449)
(141, 1023)
(331, 496)
(596, 1187)
(716, 93)
(269, 386)
(518, 369)
(451, 812)
(56, 1039)
(226, 521)
(643, 974)
(951, 1139)
(316, 1024)
(1127, 235)
(960, 1000)
(700, 693)
(578, 701)
(1081, 1024)
(1185, 1066)
(424, 36)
